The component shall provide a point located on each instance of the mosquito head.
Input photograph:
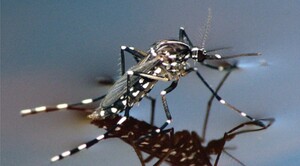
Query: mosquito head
(198, 54)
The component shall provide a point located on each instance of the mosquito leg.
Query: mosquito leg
(222, 101)
(165, 105)
(137, 54)
(100, 137)
(58, 107)
(153, 102)
(209, 103)
(183, 36)
(87, 144)
(166, 108)
(85, 110)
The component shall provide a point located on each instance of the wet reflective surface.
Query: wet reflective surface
(53, 52)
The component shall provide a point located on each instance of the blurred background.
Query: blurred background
(53, 51)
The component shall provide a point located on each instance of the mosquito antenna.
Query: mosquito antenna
(207, 28)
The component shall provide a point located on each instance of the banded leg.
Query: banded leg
(183, 36)
(137, 54)
(58, 107)
(103, 136)
(153, 103)
(98, 138)
(165, 105)
(209, 103)
(89, 143)
(222, 101)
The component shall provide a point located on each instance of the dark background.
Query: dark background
(52, 51)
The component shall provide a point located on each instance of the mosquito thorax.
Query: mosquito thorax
(173, 55)
(174, 50)
(198, 54)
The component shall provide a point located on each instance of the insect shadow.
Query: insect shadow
(179, 148)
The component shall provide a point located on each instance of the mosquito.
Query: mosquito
(166, 60)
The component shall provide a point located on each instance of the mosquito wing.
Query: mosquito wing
(120, 86)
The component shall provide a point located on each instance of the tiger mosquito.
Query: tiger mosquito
(166, 60)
